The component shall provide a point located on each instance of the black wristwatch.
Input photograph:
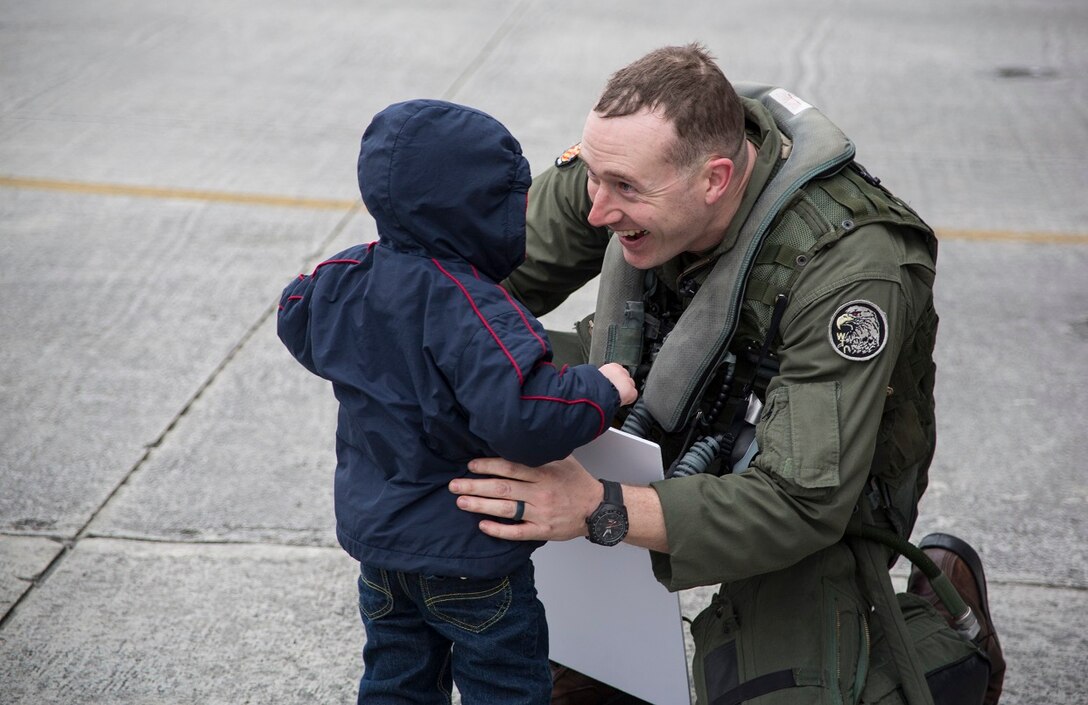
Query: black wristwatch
(608, 523)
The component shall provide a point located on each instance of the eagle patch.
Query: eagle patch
(858, 330)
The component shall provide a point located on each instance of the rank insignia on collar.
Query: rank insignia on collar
(858, 330)
(568, 157)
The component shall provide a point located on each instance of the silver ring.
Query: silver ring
(520, 511)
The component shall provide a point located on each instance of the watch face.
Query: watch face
(609, 527)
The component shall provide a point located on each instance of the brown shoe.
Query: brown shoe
(963, 567)
(570, 687)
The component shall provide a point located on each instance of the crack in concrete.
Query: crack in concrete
(488, 48)
(69, 543)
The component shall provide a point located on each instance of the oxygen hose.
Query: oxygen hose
(639, 422)
(965, 621)
(698, 458)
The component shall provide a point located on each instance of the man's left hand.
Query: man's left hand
(558, 497)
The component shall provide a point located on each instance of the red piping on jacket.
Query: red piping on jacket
(560, 371)
(600, 429)
(521, 379)
(468, 296)
(333, 261)
(301, 277)
(524, 320)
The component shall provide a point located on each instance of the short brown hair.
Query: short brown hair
(689, 89)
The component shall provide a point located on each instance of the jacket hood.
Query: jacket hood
(447, 181)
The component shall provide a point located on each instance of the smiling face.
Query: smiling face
(656, 209)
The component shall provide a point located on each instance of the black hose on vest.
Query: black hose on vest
(965, 621)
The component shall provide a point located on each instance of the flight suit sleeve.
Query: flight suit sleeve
(818, 430)
(562, 250)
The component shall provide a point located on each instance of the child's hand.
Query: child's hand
(620, 378)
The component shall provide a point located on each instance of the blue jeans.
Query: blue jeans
(423, 632)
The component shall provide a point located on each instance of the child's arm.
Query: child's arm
(557, 411)
(537, 415)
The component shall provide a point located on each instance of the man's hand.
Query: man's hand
(621, 379)
(558, 497)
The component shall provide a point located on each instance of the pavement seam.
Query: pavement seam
(164, 541)
(69, 543)
(486, 50)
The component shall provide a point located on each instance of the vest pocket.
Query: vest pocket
(849, 644)
(715, 668)
(720, 678)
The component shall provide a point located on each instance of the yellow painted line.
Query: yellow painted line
(177, 193)
(336, 204)
(1014, 236)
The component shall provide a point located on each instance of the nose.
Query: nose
(602, 213)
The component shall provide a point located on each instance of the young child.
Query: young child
(434, 364)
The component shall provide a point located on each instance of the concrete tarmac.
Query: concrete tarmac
(165, 169)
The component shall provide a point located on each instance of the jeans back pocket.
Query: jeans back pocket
(375, 597)
(471, 604)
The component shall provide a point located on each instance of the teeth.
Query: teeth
(630, 234)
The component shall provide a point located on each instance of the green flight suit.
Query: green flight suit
(790, 623)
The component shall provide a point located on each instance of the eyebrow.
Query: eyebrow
(615, 175)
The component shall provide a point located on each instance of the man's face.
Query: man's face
(655, 209)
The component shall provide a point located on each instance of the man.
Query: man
(752, 274)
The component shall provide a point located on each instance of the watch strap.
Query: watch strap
(613, 493)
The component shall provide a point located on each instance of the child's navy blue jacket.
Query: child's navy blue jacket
(432, 362)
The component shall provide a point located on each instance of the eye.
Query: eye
(625, 187)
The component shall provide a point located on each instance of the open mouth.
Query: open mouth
(631, 235)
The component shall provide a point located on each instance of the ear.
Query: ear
(719, 174)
